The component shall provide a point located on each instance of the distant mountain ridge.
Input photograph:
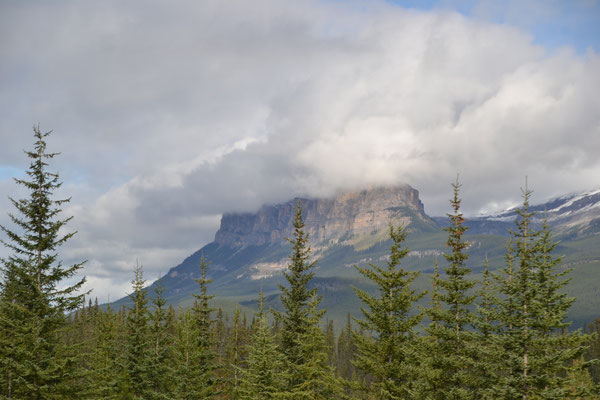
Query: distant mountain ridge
(574, 214)
(250, 252)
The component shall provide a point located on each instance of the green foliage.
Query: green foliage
(195, 357)
(536, 352)
(138, 349)
(453, 346)
(235, 355)
(160, 369)
(389, 355)
(264, 377)
(296, 320)
(33, 298)
(319, 380)
(105, 368)
(302, 341)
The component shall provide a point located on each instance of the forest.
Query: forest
(504, 337)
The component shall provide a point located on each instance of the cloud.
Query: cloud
(169, 115)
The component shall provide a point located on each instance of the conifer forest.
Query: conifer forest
(505, 336)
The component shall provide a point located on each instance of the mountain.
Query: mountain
(575, 215)
(250, 249)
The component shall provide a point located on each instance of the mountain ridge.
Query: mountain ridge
(250, 252)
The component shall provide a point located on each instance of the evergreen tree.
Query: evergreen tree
(195, 356)
(537, 351)
(160, 370)
(330, 344)
(187, 360)
(452, 317)
(345, 351)
(264, 376)
(319, 380)
(235, 355)
(105, 368)
(202, 317)
(389, 355)
(33, 301)
(296, 321)
(484, 373)
(138, 350)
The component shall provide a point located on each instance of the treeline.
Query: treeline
(504, 337)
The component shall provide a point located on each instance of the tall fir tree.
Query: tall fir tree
(187, 359)
(105, 368)
(263, 377)
(319, 380)
(295, 319)
(345, 351)
(485, 326)
(160, 368)
(536, 350)
(196, 376)
(390, 353)
(452, 317)
(205, 340)
(34, 301)
(235, 355)
(138, 350)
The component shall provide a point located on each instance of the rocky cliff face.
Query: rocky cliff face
(328, 221)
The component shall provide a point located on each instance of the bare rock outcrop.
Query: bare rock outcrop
(331, 220)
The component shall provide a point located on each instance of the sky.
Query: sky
(169, 114)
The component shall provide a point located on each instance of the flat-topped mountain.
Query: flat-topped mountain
(332, 220)
(250, 252)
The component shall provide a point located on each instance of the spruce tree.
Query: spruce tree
(296, 321)
(319, 380)
(187, 360)
(201, 312)
(138, 350)
(33, 299)
(452, 317)
(389, 354)
(264, 376)
(485, 326)
(536, 350)
(160, 369)
(345, 351)
(195, 357)
(105, 368)
(235, 355)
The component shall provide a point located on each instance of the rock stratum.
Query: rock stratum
(331, 220)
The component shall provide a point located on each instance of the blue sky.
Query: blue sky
(552, 23)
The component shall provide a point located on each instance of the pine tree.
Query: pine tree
(319, 380)
(484, 373)
(330, 344)
(195, 357)
(33, 301)
(345, 351)
(235, 354)
(452, 317)
(389, 355)
(160, 369)
(105, 368)
(264, 376)
(138, 351)
(202, 317)
(295, 320)
(536, 349)
(187, 360)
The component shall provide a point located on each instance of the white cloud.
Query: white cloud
(168, 115)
